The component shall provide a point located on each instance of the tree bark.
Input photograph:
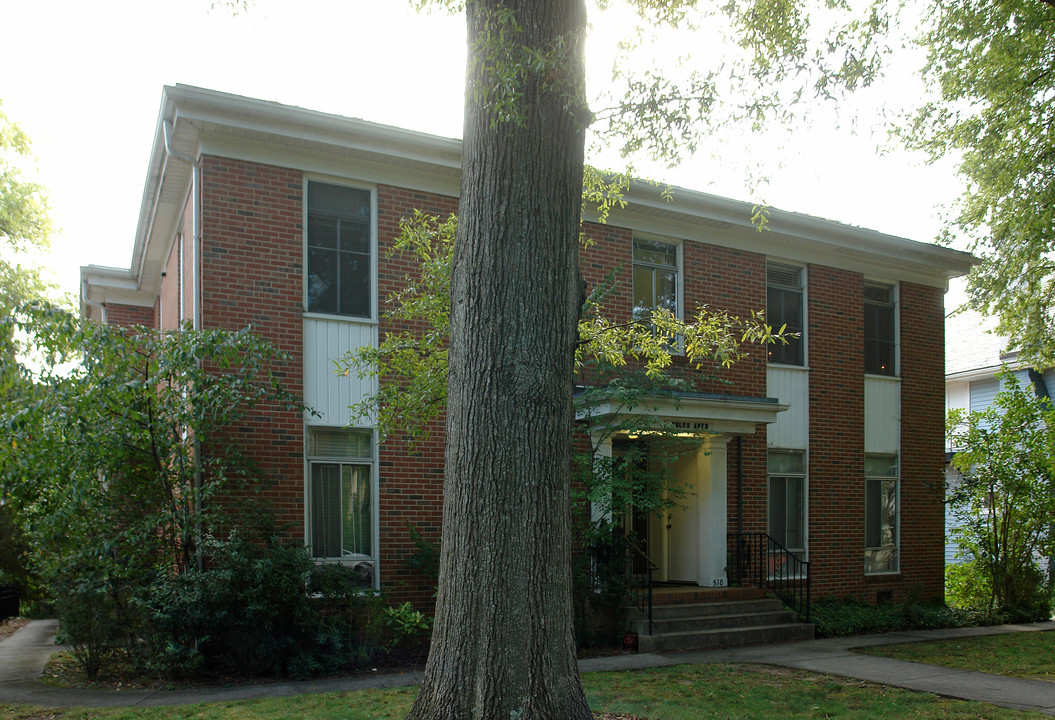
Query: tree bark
(503, 644)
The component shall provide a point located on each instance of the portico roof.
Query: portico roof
(689, 412)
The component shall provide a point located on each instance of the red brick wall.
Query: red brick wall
(410, 478)
(128, 315)
(922, 314)
(835, 344)
(251, 274)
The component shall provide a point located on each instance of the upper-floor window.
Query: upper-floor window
(339, 250)
(784, 308)
(655, 278)
(880, 334)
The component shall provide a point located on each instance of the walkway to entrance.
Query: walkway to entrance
(30, 647)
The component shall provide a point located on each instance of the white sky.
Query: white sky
(87, 84)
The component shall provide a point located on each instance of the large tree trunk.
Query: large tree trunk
(503, 645)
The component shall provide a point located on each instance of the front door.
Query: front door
(682, 523)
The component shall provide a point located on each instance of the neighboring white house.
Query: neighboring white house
(974, 354)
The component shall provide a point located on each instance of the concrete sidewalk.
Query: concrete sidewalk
(23, 656)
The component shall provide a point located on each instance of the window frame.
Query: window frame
(801, 289)
(803, 477)
(895, 339)
(895, 525)
(373, 279)
(677, 267)
(311, 460)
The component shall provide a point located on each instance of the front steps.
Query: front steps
(702, 619)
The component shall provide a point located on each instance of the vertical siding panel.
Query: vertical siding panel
(882, 415)
(324, 390)
(790, 387)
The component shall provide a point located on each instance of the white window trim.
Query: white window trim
(896, 295)
(805, 475)
(343, 182)
(805, 280)
(679, 267)
(897, 517)
(375, 505)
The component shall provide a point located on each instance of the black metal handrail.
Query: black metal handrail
(639, 579)
(757, 559)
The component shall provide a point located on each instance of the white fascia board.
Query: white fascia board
(792, 236)
(984, 373)
(370, 170)
(722, 415)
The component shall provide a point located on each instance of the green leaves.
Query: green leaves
(991, 65)
(1005, 501)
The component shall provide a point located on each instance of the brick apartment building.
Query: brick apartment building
(280, 217)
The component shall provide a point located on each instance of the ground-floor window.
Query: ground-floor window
(341, 510)
(881, 514)
(787, 499)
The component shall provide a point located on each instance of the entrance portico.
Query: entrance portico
(687, 543)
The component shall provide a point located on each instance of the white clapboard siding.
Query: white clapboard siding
(882, 415)
(791, 386)
(326, 392)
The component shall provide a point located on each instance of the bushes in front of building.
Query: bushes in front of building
(150, 527)
(836, 617)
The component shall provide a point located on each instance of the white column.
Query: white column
(713, 511)
(603, 445)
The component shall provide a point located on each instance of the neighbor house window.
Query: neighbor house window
(787, 499)
(880, 341)
(340, 504)
(784, 308)
(881, 514)
(339, 267)
(655, 278)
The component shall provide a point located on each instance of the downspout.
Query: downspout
(195, 274)
(92, 303)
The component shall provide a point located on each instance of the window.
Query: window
(340, 498)
(879, 330)
(881, 514)
(787, 499)
(339, 250)
(784, 309)
(655, 278)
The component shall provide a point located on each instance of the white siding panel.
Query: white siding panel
(791, 386)
(882, 415)
(325, 391)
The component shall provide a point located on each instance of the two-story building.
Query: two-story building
(284, 218)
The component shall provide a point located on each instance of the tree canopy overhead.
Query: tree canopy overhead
(991, 67)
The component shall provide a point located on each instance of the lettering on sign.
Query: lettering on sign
(683, 425)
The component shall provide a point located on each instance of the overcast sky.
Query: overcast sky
(87, 85)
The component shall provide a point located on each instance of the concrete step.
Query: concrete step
(664, 626)
(725, 637)
(669, 612)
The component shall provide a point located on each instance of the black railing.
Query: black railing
(756, 559)
(639, 578)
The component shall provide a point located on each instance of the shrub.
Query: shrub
(97, 619)
(834, 617)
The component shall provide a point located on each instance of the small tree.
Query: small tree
(1005, 501)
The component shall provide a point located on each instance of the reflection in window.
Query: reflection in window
(339, 250)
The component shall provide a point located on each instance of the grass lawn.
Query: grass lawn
(1019, 654)
(684, 692)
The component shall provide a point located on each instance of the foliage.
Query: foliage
(1005, 501)
(126, 470)
(990, 67)
(966, 587)
(836, 617)
(410, 360)
(406, 623)
(426, 554)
